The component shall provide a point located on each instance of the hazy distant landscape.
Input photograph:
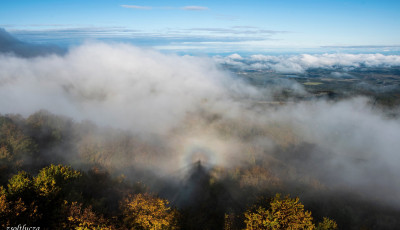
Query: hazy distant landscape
(251, 123)
(377, 80)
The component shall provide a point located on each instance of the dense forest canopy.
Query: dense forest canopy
(114, 176)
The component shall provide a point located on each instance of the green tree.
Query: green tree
(144, 211)
(284, 213)
(15, 146)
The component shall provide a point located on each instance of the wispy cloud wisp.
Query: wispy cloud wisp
(137, 7)
(195, 8)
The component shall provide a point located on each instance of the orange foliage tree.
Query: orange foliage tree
(80, 218)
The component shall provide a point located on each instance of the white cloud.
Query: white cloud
(114, 85)
(195, 8)
(235, 56)
(137, 7)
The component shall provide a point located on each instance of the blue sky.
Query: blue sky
(211, 26)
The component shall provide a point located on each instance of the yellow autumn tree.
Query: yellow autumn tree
(327, 224)
(50, 180)
(4, 208)
(284, 213)
(144, 211)
(17, 204)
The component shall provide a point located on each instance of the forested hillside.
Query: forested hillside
(57, 173)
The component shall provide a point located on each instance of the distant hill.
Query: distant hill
(9, 44)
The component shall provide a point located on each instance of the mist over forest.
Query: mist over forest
(211, 135)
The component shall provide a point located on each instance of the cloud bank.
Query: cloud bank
(114, 85)
(300, 63)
